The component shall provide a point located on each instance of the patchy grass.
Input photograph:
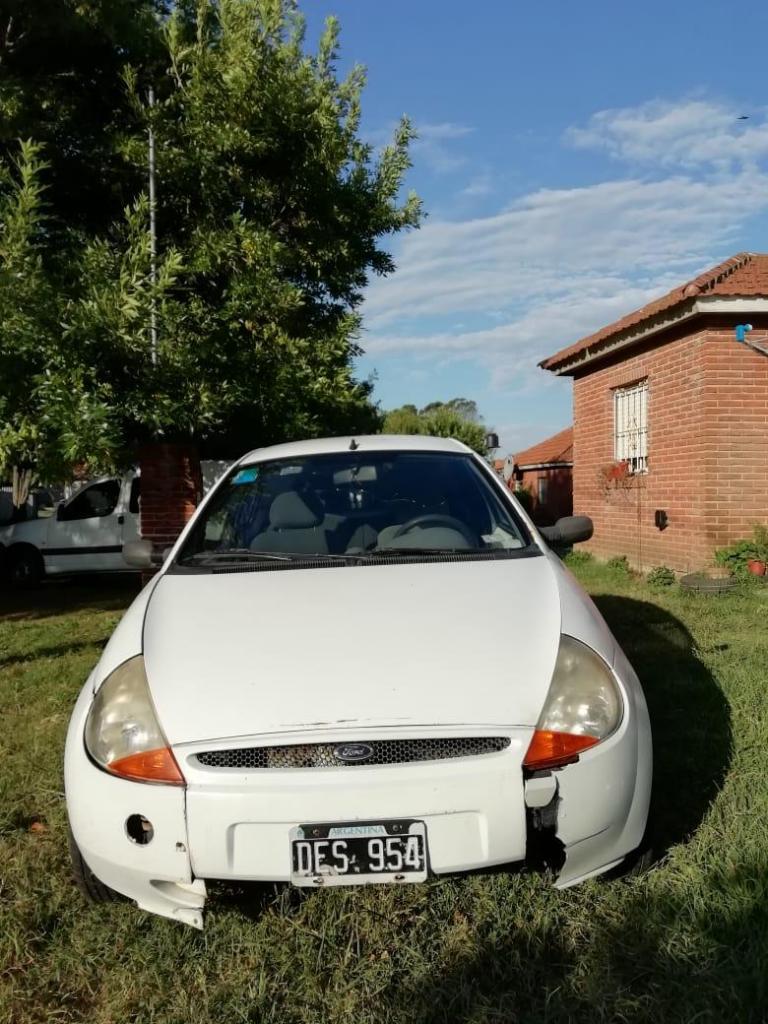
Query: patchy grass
(686, 942)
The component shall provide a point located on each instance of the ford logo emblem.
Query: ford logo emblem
(353, 753)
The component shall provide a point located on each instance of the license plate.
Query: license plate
(359, 853)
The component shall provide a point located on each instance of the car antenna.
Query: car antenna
(353, 445)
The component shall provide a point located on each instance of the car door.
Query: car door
(86, 535)
(129, 510)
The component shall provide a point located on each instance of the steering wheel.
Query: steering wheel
(433, 519)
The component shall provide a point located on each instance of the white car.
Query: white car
(360, 663)
(86, 534)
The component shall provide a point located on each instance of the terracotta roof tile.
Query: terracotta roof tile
(558, 448)
(744, 275)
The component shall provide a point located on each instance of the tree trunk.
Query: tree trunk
(21, 481)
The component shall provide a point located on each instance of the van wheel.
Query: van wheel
(24, 567)
(89, 885)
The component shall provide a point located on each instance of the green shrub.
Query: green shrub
(661, 576)
(619, 565)
(576, 557)
(736, 555)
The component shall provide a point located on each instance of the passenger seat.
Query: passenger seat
(295, 524)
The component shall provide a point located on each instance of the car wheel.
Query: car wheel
(25, 567)
(89, 885)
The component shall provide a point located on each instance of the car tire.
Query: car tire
(24, 567)
(92, 888)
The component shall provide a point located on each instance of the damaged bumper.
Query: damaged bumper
(580, 820)
(158, 874)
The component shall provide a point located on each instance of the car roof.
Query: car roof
(362, 443)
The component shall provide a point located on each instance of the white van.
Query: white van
(86, 533)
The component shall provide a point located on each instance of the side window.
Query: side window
(133, 501)
(630, 426)
(93, 502)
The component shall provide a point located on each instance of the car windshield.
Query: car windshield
(353, 506)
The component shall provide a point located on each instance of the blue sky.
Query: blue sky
(575, 160)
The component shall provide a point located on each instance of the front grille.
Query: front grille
(325, 755)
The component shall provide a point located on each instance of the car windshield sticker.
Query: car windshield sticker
(246, 476)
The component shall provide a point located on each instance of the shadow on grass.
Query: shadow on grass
(690, 717)
(99, 592)
(57, 651)
(656, 959)
(692, 949)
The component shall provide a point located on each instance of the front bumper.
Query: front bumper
(235, 825)
(157, 876)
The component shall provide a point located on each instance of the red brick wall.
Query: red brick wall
(171, 487)
(559, 493)
(707, 449)
(735, 432)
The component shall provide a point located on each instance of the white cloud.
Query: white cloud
(553, 266)
(480, 185)
(687, 134)
(504, 291)
(442, 132)
(433, 146)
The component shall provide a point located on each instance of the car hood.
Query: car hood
(350, 648)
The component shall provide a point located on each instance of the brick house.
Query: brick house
(671, 420)
(545, 470)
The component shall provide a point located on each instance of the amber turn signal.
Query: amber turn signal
(554, 749)
(150, 766)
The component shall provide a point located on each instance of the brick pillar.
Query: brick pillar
(171, 488)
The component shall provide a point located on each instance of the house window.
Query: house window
(542, 490)
(630, 426)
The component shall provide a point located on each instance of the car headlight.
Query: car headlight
(122, 733)
(583, 707)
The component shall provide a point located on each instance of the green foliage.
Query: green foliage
(575, 557)
(62, 85)
(736, 555)
(619, 565)
(457, 418)
(270, 213)
(661, 576)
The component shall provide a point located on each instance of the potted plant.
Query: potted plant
(747, 557)
(758, 563)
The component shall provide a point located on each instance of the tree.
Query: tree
(270, 215)
(465, 408)
(275, 207)
(457, 418)
(50, 416)
(61, 84)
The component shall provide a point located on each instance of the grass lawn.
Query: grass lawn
(686, 942)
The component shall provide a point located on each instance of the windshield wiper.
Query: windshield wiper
(246, 555)
(385, 552)
(235, 555)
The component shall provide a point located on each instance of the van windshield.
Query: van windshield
(353, 505)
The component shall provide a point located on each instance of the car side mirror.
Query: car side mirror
(568, 530)
(141, 554)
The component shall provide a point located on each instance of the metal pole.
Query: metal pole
(152, 236)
